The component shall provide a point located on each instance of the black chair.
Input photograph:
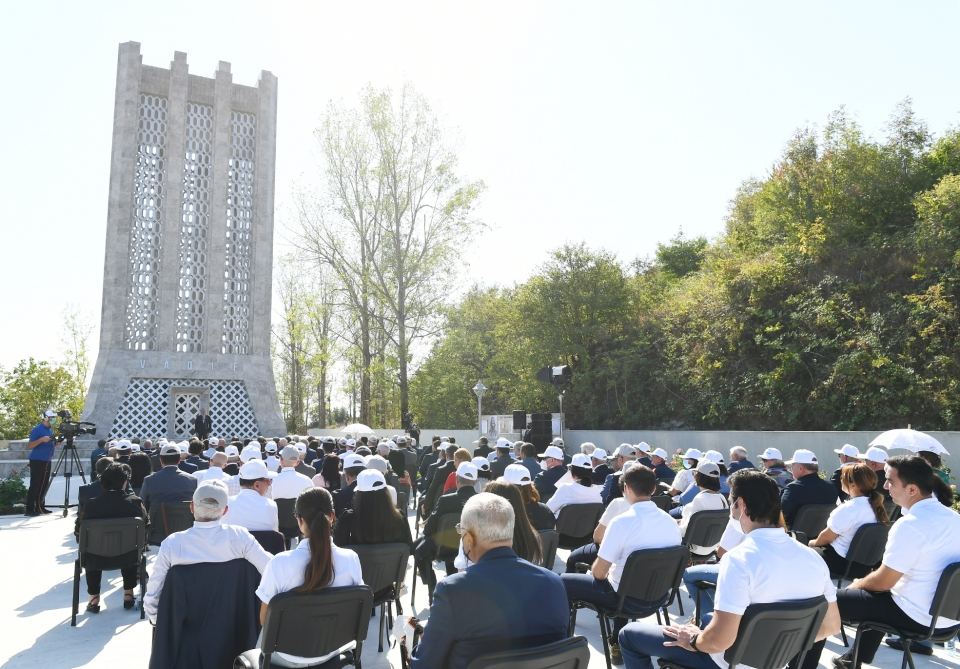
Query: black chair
(663, 502)
(866, 549)
(705, 528)
(384, 567)
(110, 537)
(946, 604)
(410, 464)
(312, 624)
(649, 576)
(167, 518)
(271, 541)
(403, 502)
(771, 635)
(286, 520)
(572, 653)
(448, 545)
(576, 523)
(549, 542)
(810, 521)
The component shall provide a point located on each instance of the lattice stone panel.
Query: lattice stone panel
(143, 409)
(194, 218)
(186, 406)
(140, 325)
(236, 274)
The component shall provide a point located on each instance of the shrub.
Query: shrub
(12, 492)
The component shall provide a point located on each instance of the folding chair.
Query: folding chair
(110, 537)
(866, 549)
(313, 624)
(384, 567)
(286, 520)
(167, 518)
(448, 544)
(572, 653)
(271, 541)
(810, 521)
(549, 542)
(576, 523)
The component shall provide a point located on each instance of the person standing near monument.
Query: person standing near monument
(202, 425)
(41, 447)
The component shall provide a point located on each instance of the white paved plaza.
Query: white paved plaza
(36, 561)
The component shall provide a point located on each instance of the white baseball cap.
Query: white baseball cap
(849, 450)
(231, 451)
(502, 442)
(168, 449)
(715, 457)
(660, 453)
(377, 462)
(625, 450)
(271, 447)
(370, 480)
(552, 452)
(250, 452)
(771, 454)
(49, 413)
(481, 463)
(599, 454)
(693, 454)
(557, 441)
(468, 470)
(643, 447)
(581, 460)
(802, 456)
(517, 475)
(708, 468)
(873, 454)
(352, 461)
(253, 470)
(211, 492)
(213, 441)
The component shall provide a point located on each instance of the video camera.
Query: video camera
(68, 428)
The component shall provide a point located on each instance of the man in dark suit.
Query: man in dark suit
(483, 448)
(169, 484)
(806, 488)
(601, 470)
(848, 453)
(195, 449)
(503, 459)
(426, 548)
(546, 481)
(343, 498)
(428, 457)
(202, 425)
(501, 602)
(439, 478)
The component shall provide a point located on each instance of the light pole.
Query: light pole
(479, 390)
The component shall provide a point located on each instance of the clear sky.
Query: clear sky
(612, 123)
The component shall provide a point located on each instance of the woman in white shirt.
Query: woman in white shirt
(707, 478)
(864, 506)
(314, 564)
(581, 490)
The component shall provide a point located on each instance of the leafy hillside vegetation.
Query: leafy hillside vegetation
(829, 302)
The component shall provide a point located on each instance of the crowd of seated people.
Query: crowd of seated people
(495, 588)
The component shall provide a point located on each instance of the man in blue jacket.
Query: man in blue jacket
(501, 602)
(41, 446)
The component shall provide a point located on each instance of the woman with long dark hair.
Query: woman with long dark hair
(540, 515)
(374, 519)
(864, 505)
(581, 491)
(314, 564)
(526, 541)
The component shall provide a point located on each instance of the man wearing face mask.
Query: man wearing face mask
(762, 568)
(684, 478)
(41, 447)
(500, 600)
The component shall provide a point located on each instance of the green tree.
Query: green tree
(31, 388)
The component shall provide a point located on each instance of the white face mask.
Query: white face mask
(687, 464)
(738, 519)
(543, 465)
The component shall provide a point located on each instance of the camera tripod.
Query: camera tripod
(72, 460)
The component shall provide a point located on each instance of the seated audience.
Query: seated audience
(611, 487)
(381, 465)
(922, 543)
(772, 461)
(353, 464)
(707, 479)
(502, 459)
(315, 563)
(526, 541)
(707, 572)
(864, 505)
(209, 540)
(501, 602)
(528, 459)
(601, 470)
(847, 453)
(684, 478)
(764, 567)
(373, 518)
(460, 456)
(876, 458)
(140, 469)
(580, 491)
(252, 508)
(170, 484)
(215, 471)
(289, 483)
(661, 468)
(114, 502)
(551, 471)
(806, 488)
(540, 516)
(643, 525)
(87, 492)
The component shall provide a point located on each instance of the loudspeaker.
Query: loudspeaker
(519, 421)
(541, 418)
(541, 430)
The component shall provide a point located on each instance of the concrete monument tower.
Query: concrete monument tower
(185, 321)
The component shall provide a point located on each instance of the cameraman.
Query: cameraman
(41, 447)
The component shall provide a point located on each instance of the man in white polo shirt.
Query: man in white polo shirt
(215, 471)
(289, 483)
(900, 591)
(765, 567)
(643, 525)
(253, 508)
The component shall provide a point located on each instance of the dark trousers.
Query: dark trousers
(94, 576)
(39, 482)
(585, 554)
(585, 588)
(859, 605)
(424, 553)
(838, 565)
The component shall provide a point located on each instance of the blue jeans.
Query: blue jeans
(639, 642)
(701, 572)
(586, 554)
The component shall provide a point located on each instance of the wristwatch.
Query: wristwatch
(693, 642)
